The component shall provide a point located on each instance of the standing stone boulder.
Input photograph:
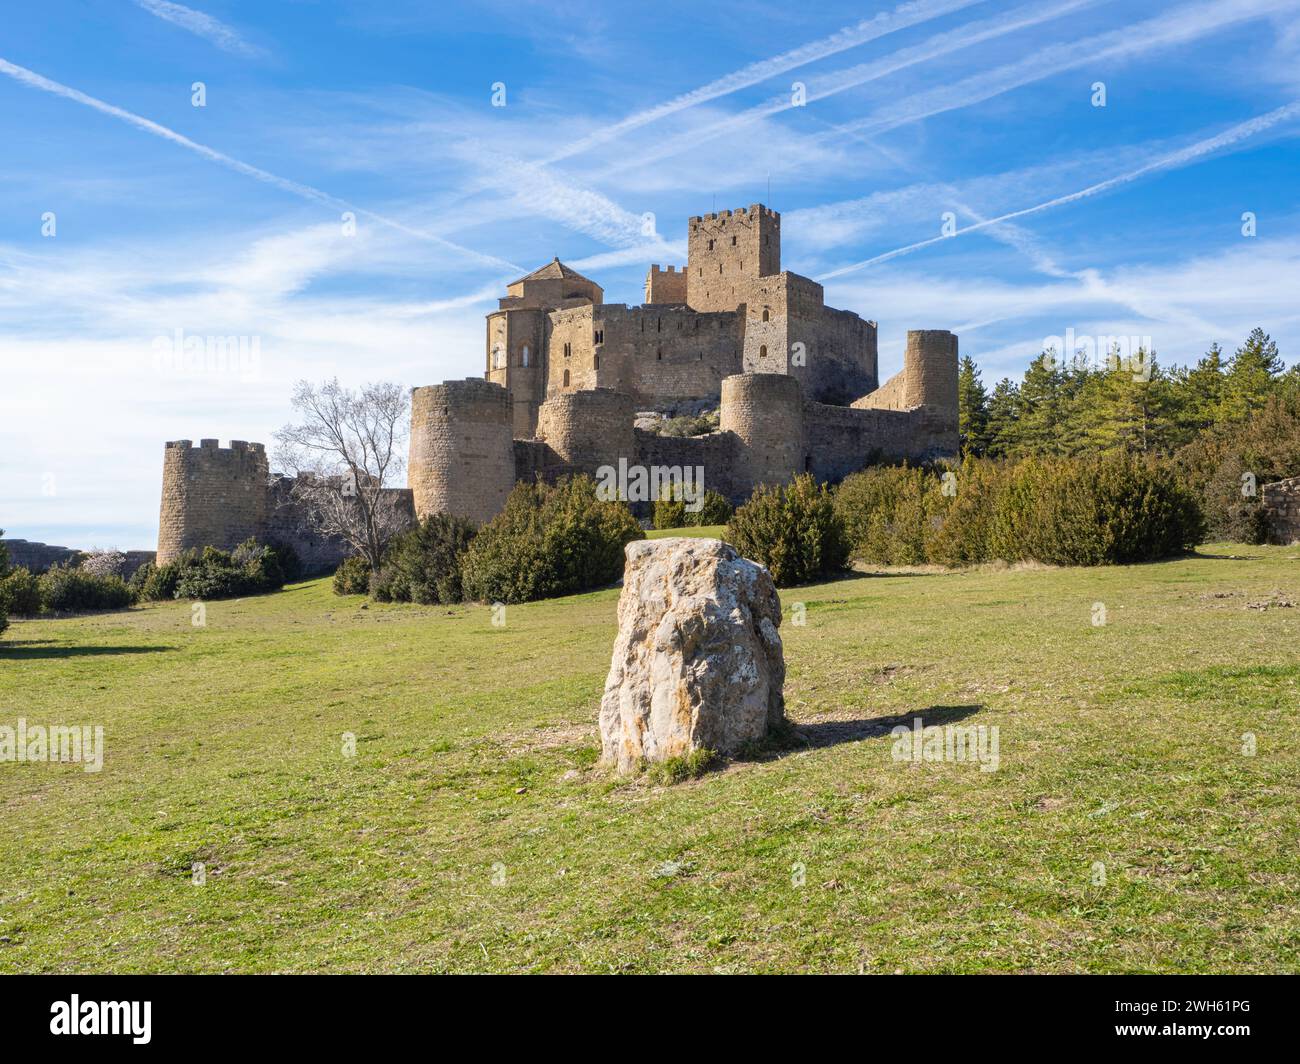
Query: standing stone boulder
(698, 663)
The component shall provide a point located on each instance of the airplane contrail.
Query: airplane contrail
(37, 81)
(903, 16)
(1230, 136)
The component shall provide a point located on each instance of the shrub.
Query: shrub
(1111, 509)
(714, 510)
(260, 564)
(4, 620)
(66, 588)
(885, 511)
(793, 530)
(352, 577)
(20, 593)
(670, 510)
(250, 569)
(549, 540)
(157, 583)
(424, 564)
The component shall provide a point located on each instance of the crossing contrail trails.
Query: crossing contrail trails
(1228, 137)
(903, 16)
(37, 81)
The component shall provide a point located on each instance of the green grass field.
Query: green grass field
(473, 830)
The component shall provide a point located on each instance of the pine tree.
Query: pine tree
(1132, 410)
(1004, 419)
(1042, 402)
(972, 408)
(1200, 393)
(1252, 376)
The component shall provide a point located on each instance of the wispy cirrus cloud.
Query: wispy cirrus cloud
(201, 25)
(824, 86)
(1177, 26)
(1229, 137)
(869, 29)
(296, 188)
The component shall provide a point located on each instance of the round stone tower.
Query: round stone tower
(765, 411)
(211, 496)
(462, 449)
(930, 370)
(589, 429)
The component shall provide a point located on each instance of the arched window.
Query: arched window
(523, 356)
(566, 378)
(762, 351)
(765, 313)
(498, 357)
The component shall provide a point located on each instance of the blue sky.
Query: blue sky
(227, 219)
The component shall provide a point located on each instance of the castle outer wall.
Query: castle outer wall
(215, 496)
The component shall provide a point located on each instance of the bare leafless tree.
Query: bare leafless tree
(346, 453)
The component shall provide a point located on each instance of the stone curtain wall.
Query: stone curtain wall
(36, 557)
(654, 354)
(211, 495)
(462, 458)
(1281, 500)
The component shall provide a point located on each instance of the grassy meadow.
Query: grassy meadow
(1127, 829)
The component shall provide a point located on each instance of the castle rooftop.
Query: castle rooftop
(554, 270)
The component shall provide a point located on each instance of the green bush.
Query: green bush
(670, 510)
(549, 540)
(252, 568)
(714, 510)
(157, 583)
(423, 565)
(352, 577)
(66, 589)
(793, 530)
(1111, 509)
(20, 593)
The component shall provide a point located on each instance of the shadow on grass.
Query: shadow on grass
(820, 734)
(21, 649)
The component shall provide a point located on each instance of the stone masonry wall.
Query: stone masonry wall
(1281, 500)
(727, 250)
(665, 285)
(462, 458)
(211, 495)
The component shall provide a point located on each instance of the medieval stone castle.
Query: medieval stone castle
(566, 374)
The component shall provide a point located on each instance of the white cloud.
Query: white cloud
(200, 25)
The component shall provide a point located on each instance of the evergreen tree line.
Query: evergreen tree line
(1227, 424)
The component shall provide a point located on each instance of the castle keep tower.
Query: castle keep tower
(211, 495)
(727, 252)
(462, 449)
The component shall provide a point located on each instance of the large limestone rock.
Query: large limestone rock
(698, 661)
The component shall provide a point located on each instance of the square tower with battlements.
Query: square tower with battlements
(727, 252)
